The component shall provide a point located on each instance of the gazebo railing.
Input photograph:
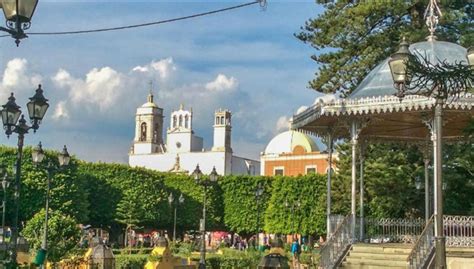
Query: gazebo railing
(391, 230)
(459, 231)
(337, 245)
(423, 249)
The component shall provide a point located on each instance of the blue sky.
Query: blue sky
(246, 60)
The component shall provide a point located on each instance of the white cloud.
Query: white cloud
(163, 68)
(60, 111)
(282, 124)
(222, 83)
(101, 87)
(18, 78)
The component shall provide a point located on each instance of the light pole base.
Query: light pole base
(440, 258)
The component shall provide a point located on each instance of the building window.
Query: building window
(311, 170)
(217, 120)
(180, 121)
(279, 171)
(143, 132)
(222, 120)
(186, 121)
(174, 121)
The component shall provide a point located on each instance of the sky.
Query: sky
(245, 60)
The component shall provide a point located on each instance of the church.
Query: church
(183, 149)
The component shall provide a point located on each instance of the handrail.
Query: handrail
(423, 248)
(337, 244)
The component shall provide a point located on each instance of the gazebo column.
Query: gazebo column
(328, 140)
(427, 189)
(354, 141)
(440, 241)
(361, 191)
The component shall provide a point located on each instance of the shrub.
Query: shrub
(130, 261)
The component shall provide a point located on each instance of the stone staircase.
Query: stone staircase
(377, 256)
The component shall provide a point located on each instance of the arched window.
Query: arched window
(180, 121)
(222, 120)
(174, 121)
(143, 132)
(186, 121)
(156, 132)
(217, 120)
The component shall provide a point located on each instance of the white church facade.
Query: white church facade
(183, 150)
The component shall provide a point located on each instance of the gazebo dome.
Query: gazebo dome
(286, 142)
(379, 81)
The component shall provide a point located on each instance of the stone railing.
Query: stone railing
(423, 249)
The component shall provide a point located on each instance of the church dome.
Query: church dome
(289, 142)
(379, 81)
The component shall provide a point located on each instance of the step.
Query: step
(378, 256)
(382, 248)
(357, 266)
(376, 263)
(381, 262)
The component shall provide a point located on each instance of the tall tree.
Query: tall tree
(351, 37)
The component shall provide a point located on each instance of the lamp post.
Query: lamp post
(179, 201)
(63, 159)
(419, 186)
(5, 185)
(205, 182)
(399, 64)
(37, 107)
(258, 195)
(18, 14)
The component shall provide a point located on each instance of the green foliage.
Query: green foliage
(130, 261)
(308, 217)
(351, 38)
(240, 203)
(63, 234)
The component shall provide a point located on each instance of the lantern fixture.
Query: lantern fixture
(18, 14)
(197, 174)
(398, 67)
(64, 157)
(38, 154)
(213, 176)
(10, 114)
(37, 107)
(470, 56)
(418, 183)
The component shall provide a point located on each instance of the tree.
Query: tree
(63, 234)
(352, 37)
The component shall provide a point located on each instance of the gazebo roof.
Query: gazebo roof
(381, 114)
(379, 81)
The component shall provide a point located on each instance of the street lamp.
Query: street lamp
(5, 185)
(18, 14)
(205, 182)
(179, 201)
(63, 159)
(258, 195)
(10, 114)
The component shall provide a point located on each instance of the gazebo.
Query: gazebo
(373, 113)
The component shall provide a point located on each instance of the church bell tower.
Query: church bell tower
(222, 131)
(148, 128)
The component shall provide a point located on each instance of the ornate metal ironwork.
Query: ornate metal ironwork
(393, 230)
(459, 231)
(338, 244)
(423, 248)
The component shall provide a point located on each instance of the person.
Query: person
(295, 251)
